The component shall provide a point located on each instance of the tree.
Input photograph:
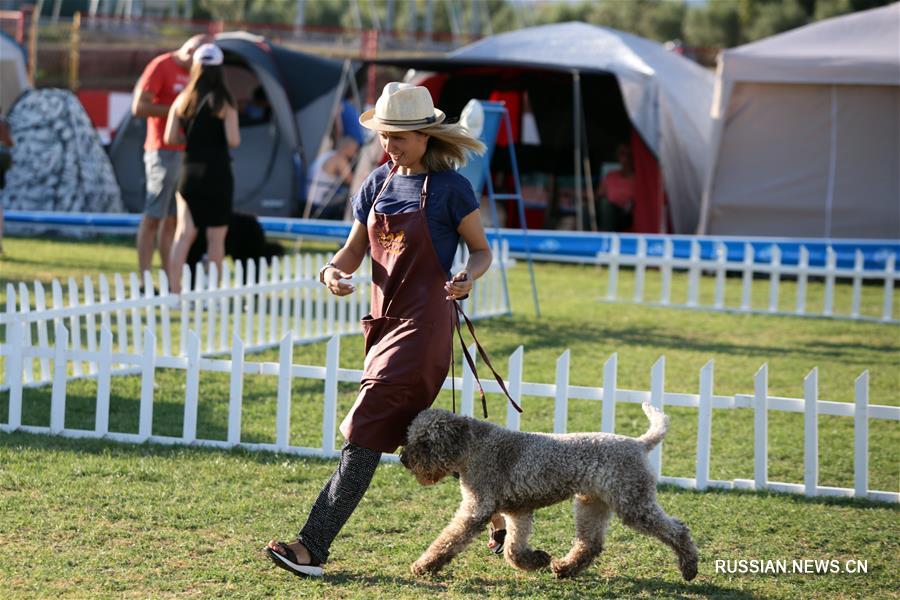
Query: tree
(775, 18)
(715, 25)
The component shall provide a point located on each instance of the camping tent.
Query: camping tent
(58, 162)
(601, 84)
(805, 135)
(13, 76)
(303, 92)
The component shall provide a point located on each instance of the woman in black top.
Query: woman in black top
(204, 118)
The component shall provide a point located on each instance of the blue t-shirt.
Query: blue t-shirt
(450, 199)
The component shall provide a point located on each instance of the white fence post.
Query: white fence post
(236, 390)
(561, 403)
(774, 278)
(16, 346)
(704, 425)
(191, 388)
(150, 308)
(640, 268)
(104, 373)
(694, 274)
(608, 419)
(830, 267)
(197, 304)
(811, 432)
(747, 279)
(861, 437)
(274, 278)
(283, 412)
(261, 302)
(514, 370)
(665, 295)
(24, 309)
(40, 305)
(803, 266)
(148, 375)
(74, 326)
(60, 373)
(721, 260)
(614, 255)
(889, 266)
(165, 316)
(858, 265)
(467, 390)
(91, 321)
(329, 416)
(136, 327)
(211, 311)
(761, 428)
(121, 323)
(657, 394)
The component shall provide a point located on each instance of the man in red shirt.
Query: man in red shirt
(162, 80)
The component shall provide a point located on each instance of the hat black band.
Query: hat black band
(425, 121)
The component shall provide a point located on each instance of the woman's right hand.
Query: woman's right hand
(333, 280)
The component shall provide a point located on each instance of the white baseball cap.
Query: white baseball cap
(209, 55)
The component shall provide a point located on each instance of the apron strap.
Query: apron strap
(471, 362)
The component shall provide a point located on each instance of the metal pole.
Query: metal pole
(73, 51)
(576, 123)
(521, 204)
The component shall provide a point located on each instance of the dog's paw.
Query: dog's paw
(530, 560)
(688, 568)
(564, 569)
(421, 568)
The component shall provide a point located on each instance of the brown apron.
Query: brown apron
(408, 334)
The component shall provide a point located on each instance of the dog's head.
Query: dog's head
(436, 444)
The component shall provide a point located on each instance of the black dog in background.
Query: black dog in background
(245, 241)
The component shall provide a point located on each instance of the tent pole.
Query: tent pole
(588, 171)
(576, 123)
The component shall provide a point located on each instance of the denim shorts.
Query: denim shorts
(161, 168)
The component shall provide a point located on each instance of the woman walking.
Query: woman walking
(204, 118)
(410, 213)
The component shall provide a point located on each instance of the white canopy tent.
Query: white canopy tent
(806, 132)
(667, 96)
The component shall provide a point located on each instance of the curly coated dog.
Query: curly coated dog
(515, 473)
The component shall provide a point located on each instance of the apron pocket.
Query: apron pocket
(397, 350)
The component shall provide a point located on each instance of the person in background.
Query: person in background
(617, 188)
(257, 110)
(410, 213)
(162, 80)
(204, 118)
(6, 142)
(330, 176)
(347, 122)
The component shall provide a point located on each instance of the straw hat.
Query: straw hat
(209, 55)
(402, 107)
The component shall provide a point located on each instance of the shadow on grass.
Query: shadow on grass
(539, 583)
(95, 446)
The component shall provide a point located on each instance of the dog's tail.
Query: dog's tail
(659, 424)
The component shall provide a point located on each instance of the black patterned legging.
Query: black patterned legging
(338, 499)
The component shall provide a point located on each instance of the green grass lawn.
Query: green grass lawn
(100, 519)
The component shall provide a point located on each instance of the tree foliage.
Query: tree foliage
(714, 23)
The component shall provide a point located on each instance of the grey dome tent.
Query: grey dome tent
(602, 83)
(270, 165)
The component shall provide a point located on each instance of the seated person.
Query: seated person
(330, 176)
(256, 110)
(618, 190)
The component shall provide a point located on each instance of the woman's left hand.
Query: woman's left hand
(459, 286)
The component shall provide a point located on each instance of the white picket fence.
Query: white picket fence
(748, 267)
(146, 361)
(285, 297)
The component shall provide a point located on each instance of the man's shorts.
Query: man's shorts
(162, 168)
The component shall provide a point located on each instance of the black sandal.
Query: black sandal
(287, 560)
(498, 536)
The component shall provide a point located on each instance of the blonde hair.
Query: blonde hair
(449, 147)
